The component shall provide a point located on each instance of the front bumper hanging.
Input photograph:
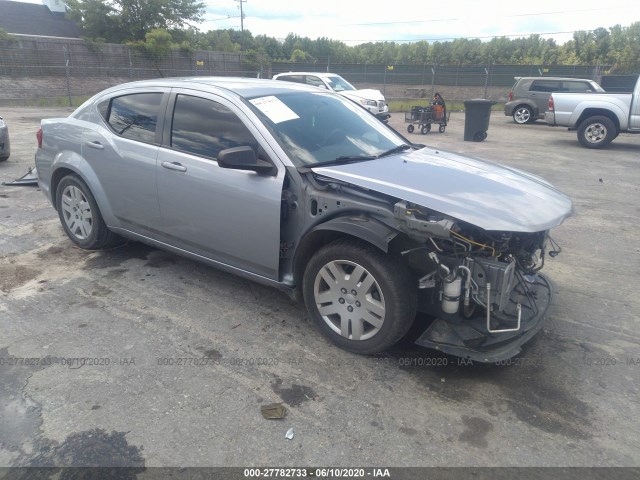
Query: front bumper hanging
(484, 338)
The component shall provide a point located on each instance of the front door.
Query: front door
(230, 216)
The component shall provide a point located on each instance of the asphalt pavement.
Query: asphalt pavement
(137, 357)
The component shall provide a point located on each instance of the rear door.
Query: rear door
(540, 91)
(230, 216)
(123, 152)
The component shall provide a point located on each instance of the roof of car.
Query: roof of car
(554, 78)
(244, 87)
(317, 74)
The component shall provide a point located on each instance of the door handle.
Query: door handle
(95, 144)
(174, 166)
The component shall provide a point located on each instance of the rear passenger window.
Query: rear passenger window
(292, 78)
(133, 116)
(545, 86)
(315, 81)
(203, 127)
(576, 87)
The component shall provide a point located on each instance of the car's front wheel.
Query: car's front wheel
(522, 115)
(80, 216)
(359, 297)
(596, 132)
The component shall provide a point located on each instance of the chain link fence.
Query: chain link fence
(51, 71)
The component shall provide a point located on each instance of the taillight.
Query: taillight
(551, 103)
(39, 137)
(510, 95)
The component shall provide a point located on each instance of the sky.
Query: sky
(361, 21)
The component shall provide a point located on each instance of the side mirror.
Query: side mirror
(243, 158)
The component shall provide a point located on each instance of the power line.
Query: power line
(223, 18)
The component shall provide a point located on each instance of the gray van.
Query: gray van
(529, 97)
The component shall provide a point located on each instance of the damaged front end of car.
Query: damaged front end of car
(475, 236)
(483, 288)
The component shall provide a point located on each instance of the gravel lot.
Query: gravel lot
(570, 399)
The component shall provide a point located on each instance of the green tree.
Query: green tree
(157, 44)
(629, 57)
(97, 19)
(299, 56)
(118, 20)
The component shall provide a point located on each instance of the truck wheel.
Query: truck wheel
(596, 132)
(80, 216)
(522, 115)
(359, 297)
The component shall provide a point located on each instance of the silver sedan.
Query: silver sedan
(308, 192)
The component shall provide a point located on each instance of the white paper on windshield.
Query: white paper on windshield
(273, 108)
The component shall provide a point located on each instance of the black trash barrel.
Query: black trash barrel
(476, 119)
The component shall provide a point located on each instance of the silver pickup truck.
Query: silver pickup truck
(598, 117)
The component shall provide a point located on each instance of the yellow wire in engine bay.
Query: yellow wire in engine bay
(456, 234)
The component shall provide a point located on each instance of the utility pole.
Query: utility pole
(241, 14)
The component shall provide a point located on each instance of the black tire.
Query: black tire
(91, 233)
(523, 114)
(4, 159)
(597, 132)
(410, 128)
(426, 129)
(383, 284)
(479, 136)
(441, 129)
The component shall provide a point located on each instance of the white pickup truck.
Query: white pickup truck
(598, 117)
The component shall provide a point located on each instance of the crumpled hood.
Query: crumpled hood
(490, 196)
(366, 93)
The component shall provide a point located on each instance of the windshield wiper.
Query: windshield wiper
(398, 149)
(360, 158)
(344, 159)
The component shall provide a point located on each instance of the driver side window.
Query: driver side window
(204, 127)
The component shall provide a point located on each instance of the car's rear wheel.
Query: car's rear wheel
(522, 115)
(80, 215)
(596, 132)
(360, 298)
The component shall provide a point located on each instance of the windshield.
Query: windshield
(316, 128)
(339, 84)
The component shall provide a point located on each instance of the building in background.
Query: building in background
(33, 20)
